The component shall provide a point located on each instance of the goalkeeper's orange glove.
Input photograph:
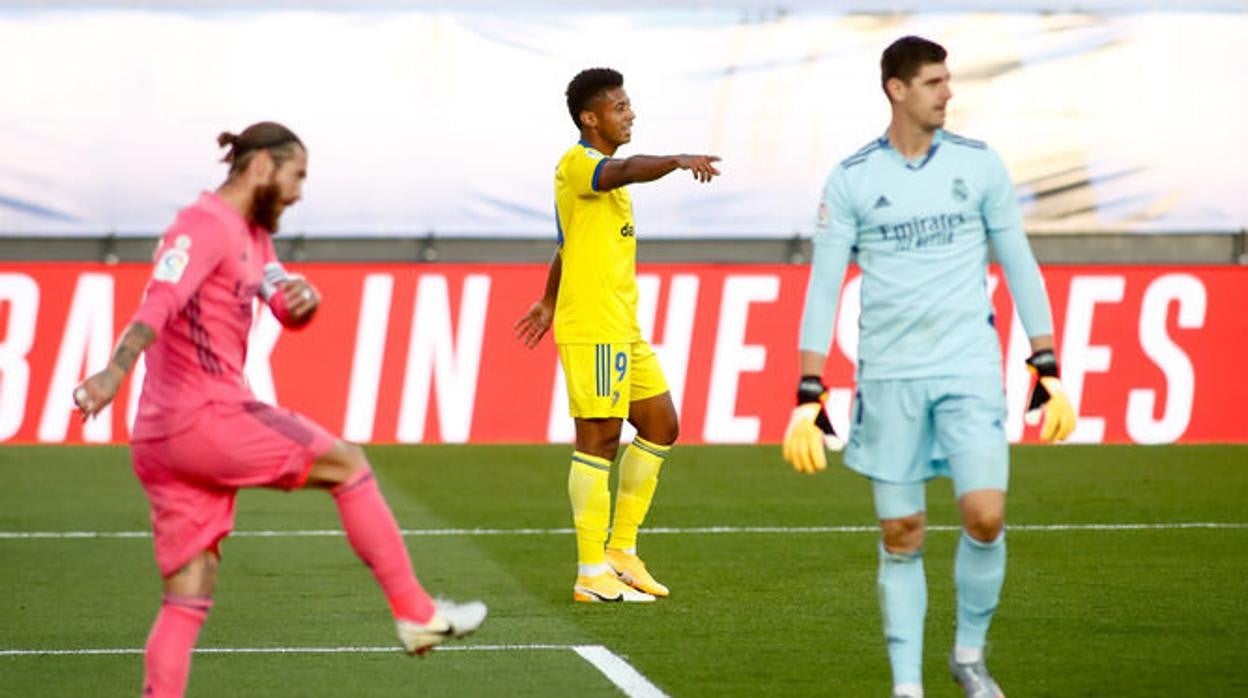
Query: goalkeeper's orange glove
(1048, 397)
(809, 431)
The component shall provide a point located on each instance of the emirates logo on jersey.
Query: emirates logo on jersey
(627, 230)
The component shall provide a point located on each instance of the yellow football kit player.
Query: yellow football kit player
(612, 373)
(606, 364)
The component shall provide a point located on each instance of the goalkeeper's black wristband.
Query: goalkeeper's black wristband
(1043, 363)
(810, 389)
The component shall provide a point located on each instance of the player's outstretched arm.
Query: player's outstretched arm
(98, 390)
(532, 326)
(647, 168)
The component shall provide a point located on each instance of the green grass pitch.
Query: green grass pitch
(1160, 610)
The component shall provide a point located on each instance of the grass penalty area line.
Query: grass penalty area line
(660, 530)
(611, 665)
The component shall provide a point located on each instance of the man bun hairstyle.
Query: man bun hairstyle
(906, 56)
(278, 140)
(587, 86)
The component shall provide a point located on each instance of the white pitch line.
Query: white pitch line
(695, 530)
(619, 672)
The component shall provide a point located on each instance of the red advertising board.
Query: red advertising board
(426, 353)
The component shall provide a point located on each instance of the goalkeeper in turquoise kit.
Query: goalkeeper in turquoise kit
(919, 207)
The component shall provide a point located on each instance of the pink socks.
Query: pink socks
(374, 535)
(167, 656)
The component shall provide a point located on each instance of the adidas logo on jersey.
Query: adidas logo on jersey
(882, 202)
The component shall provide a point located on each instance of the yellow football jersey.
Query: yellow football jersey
(598, 286)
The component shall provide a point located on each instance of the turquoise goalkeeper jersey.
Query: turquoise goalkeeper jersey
(920, 230)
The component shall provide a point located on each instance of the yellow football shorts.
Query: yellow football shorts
(604, 378)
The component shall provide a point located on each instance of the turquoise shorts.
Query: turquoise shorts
(908, 431)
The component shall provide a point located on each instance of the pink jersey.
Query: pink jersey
(210, 266)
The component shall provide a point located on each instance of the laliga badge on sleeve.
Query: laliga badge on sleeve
(171, 265)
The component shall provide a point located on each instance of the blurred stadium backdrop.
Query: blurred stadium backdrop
(433, 130)
(427, 219)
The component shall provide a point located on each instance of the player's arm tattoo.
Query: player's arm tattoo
(99, 389)
(132, 343)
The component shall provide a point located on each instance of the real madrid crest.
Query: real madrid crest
(959, 189)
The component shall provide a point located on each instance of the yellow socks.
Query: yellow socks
(591, 506)
(639, 476)
(591, 499)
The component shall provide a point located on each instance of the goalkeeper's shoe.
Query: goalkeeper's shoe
(606, 587)
(809, 431)
(632, 571)
(1048, 397)
(974, 679)
(450, 621)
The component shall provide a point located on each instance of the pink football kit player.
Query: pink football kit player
(200, 434)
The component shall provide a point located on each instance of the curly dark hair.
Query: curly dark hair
(904, 57)
(587, 86)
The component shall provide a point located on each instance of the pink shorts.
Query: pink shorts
(191, 477)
